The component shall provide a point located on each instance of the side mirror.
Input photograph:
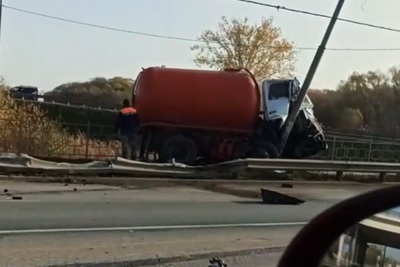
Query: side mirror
(294, 89)
(356, 232)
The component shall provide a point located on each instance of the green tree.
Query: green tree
(373, 97)
(350, 119)
(236, 43)
(326, 106)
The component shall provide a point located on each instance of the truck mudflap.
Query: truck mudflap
(307, 138)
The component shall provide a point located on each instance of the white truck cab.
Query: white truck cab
(278, 97)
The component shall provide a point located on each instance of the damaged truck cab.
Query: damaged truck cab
(306, 138)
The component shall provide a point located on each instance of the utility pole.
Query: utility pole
(289, 123)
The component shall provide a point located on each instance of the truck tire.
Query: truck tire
(266, 150)
(180, 148)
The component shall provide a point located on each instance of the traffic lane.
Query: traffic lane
(135, 248)
(73, 193)
(48, 215)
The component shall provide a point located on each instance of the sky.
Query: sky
(46, 53)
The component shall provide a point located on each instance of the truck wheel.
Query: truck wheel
(266, 150)
(180, 148)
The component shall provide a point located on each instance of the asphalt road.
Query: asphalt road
(38, 216)
(125, 208)
(131, 248)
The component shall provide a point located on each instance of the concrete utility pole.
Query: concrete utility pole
(289, 123)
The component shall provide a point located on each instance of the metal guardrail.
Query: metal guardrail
(12, 163)
(322, 165)
(363, 136)
(23, 164)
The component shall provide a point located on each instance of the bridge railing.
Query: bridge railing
(360, 150)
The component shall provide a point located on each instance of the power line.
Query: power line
(99, 26)
(277, 7)
(362, 49)
(177, 37)
(351, 49)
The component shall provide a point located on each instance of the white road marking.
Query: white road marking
(148, 228)
(19, 200)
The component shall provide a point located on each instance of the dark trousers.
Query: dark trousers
(128, 146)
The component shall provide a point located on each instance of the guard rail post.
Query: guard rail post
(339, 175)
(370, 150)
(382, 176)
(333, 148)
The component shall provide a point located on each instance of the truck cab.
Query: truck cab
(306, 138)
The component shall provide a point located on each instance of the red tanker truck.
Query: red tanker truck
(192, 115)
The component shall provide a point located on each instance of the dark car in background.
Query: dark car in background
(25, 92)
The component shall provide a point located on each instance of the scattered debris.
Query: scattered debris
(286, 185)
(272, 197)
(215, 262)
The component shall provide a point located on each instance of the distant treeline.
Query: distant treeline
(364, 103)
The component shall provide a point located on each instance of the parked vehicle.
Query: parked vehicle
(25, 92)
(187, 115)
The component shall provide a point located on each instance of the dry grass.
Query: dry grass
(26, 129)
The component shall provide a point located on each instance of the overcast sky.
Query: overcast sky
(44, 52)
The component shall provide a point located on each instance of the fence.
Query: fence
(62, 140)
(360, 150)
(352, 135)
(23, 101)
(93, 141)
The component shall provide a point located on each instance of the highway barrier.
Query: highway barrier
(11, 163)
(23, 164)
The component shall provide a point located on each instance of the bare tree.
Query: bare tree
(236, 43)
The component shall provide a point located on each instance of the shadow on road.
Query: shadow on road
(249, 202)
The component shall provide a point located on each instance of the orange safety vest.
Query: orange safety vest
(128, 111)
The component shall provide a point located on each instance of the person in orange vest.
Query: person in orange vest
(126, 128)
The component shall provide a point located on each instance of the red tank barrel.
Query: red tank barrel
(228, 100)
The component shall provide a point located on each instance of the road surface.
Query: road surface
(98, 224)
(123, 208)
(142, 248)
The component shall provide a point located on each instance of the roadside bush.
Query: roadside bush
(25, 128)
